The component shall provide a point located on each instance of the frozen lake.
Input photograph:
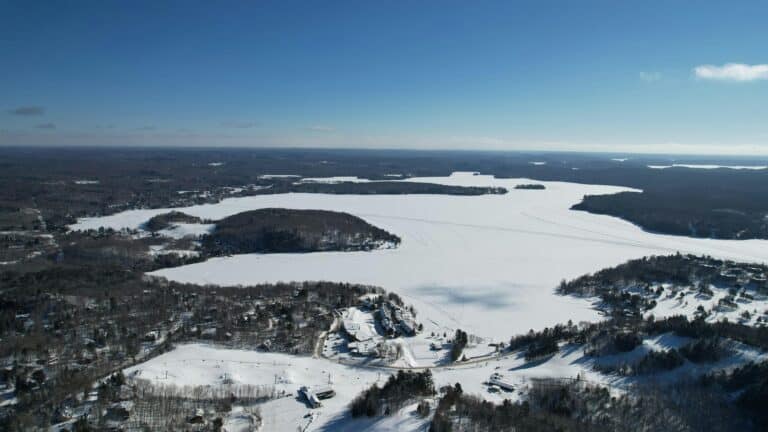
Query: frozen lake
(487, 264)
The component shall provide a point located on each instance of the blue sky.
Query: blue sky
(637, 76)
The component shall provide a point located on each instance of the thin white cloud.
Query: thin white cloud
(650, 76)
(738, 72)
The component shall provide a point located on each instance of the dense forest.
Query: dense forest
(64, 184)
(458, 343)
(286, 230)
(397, 391)
(166, 220)
(572, 405)
(689, 404)
(392, 188)
(531, 186)
(698, 213)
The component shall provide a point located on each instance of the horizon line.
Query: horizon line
(138, 147)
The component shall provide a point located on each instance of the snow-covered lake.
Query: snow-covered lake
(704, 166)
(487, 264)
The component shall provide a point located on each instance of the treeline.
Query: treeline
(702, 214)
(106, 247)
(532, 186)
(170, 408)
(711, 341)
(676, 269)
(460, 340)
(69, 183)
(400, 388)
(700, 329)
(545, 342)
(458, 412)
(573, 406)
(722, 203)
(750, 384)
(392, 188)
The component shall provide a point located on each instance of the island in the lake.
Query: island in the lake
(272, 230)
(531, 186)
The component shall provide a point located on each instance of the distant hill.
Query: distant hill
(710, 214)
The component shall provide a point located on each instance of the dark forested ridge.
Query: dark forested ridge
(287, 230)
(66, 183)
(738, 215)
(393, 188)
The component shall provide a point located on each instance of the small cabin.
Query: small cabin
(310, 397)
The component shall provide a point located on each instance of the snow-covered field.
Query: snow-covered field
(202, 365)
(487, 264)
